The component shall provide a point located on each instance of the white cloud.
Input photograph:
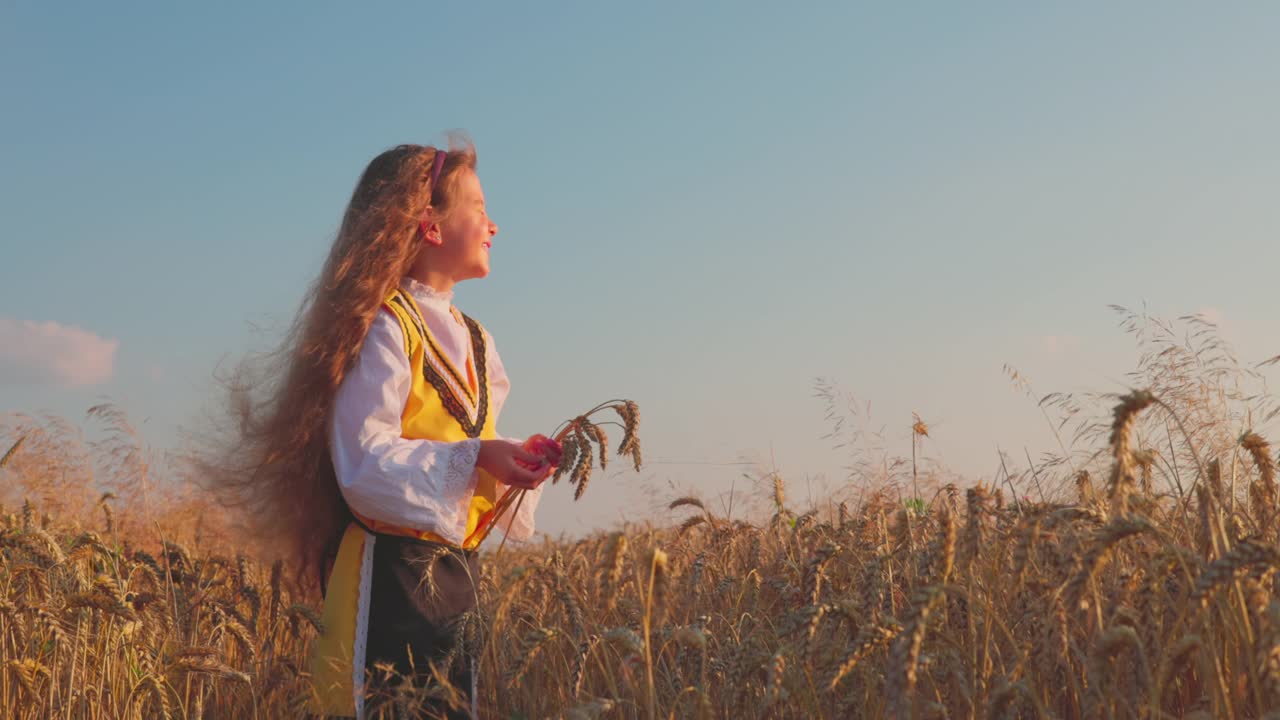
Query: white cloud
(46, 353)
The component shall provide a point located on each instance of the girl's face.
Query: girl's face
(467, 234)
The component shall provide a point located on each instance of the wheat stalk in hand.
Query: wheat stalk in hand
(583, 441)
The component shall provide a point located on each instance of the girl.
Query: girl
(376, 452)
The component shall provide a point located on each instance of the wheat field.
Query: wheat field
(1131, 575)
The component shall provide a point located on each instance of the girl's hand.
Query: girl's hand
(545, 447)
(512, 465)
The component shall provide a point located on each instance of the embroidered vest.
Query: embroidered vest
(445, 403)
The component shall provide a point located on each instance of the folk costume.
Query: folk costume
(405, 434)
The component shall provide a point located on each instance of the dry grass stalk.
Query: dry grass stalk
(580, 663)
(1099, 551)
(150, 698)
(870, 640)
(1263, 494)
(1108, 646)
(687, 501)
(571, 607)
(977, 499)
(948, 546)
(1268, 650)
(1181, 655)
(534, 642)
(777, 669)
(904, 660)
(691, 522)
(613, 576)
(1247, 556)
(1210, 536)
(12, 451)
(1121, 485)
(659, 583)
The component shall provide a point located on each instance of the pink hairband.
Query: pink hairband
(436, 167)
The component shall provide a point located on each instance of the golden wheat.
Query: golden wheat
(851, 608)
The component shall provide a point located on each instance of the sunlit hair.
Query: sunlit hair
(275, 461)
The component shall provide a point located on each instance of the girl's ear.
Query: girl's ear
(430, 233)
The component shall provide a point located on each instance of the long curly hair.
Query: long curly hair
(275, 462)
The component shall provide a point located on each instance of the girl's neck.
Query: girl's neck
(434, 279)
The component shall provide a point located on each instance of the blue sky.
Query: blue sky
(712, 203)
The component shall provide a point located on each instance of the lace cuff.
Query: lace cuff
(455, 483)
(462, 465)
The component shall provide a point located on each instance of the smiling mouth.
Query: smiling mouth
(488, 245)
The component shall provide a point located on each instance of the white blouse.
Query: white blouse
(421, 484)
